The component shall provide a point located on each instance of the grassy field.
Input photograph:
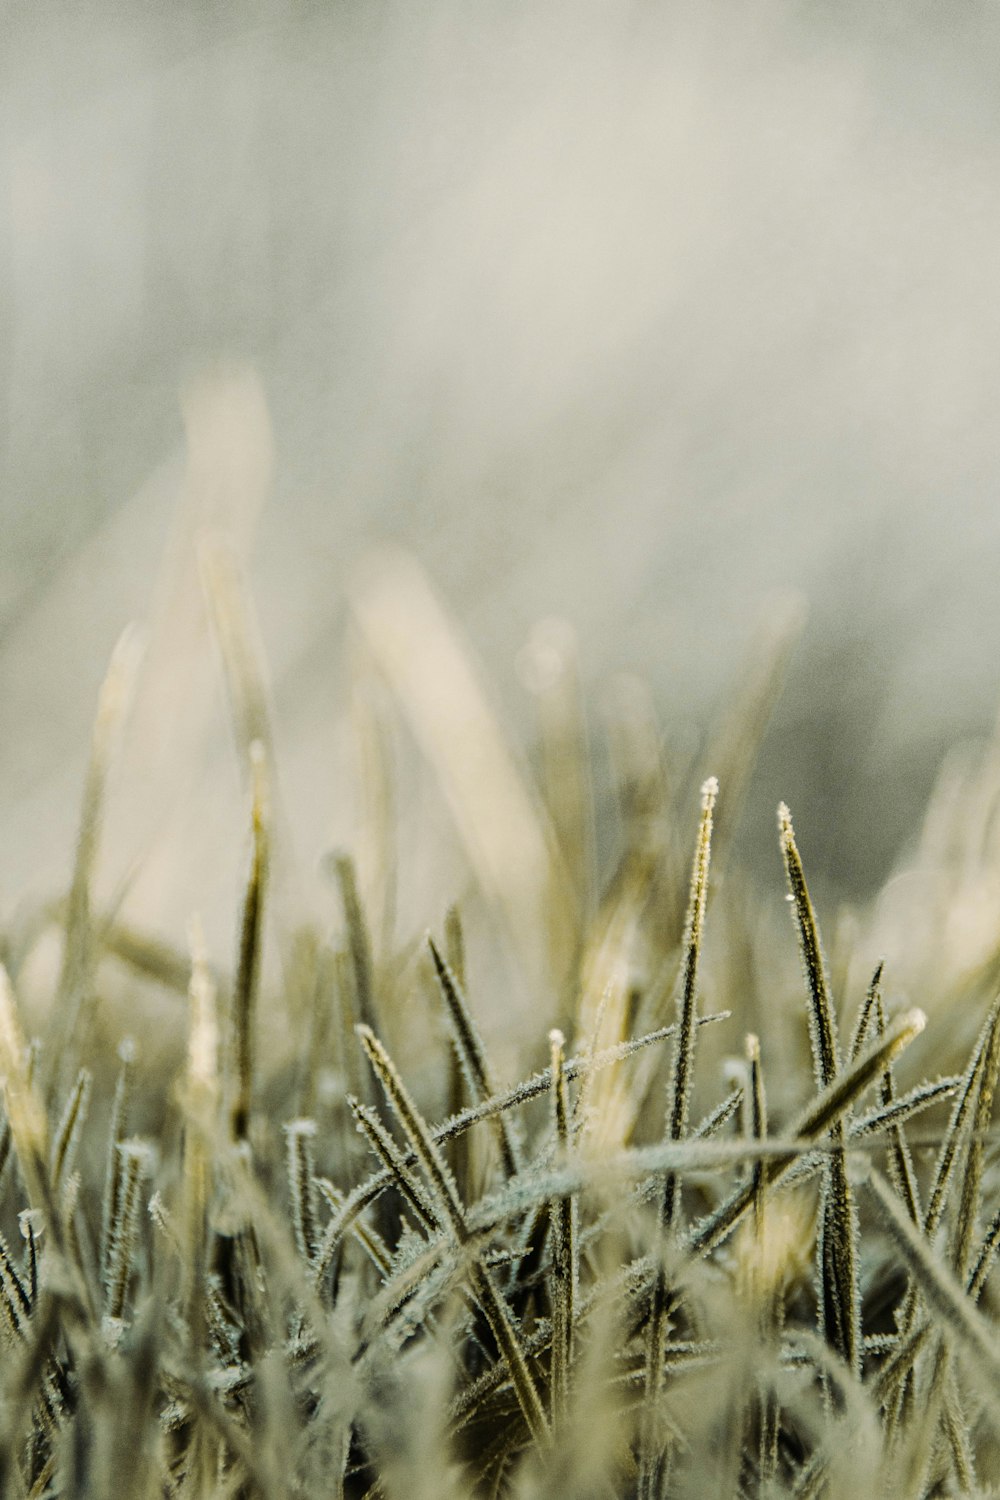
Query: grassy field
(729, 1232)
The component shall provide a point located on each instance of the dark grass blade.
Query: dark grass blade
(758, 1131)
(768, 1304)
(565, 1270)
(300, 1136)
(472, 1056)
(683, 1057)
(984, 1259)
(248, 968)
(822, 1021)
(867, 1012)
(837, 1240)
(69, 1130)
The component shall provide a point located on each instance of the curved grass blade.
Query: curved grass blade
(370, 1240)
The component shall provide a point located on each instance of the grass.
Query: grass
(674, 1259)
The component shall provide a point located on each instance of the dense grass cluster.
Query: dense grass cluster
(655, 1266)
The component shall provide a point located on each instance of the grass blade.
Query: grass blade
(678, 1109)
(822, 1022)
(564, 1252)
(472, 1055)
(248, 970)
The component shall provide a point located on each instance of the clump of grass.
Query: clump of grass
(646, 1268)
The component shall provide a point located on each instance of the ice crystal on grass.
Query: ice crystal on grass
(686, 1261)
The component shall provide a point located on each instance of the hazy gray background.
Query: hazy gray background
(634, 314)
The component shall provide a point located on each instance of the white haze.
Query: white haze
(637, 315)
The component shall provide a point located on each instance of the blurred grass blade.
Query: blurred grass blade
(551, 670)
(418, 649)
(733, 748)
(76, 974)
(70, 1128)
(358, 940)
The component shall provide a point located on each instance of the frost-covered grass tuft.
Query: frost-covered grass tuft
(701, 1247)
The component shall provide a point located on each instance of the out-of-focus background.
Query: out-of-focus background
(637, 315)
